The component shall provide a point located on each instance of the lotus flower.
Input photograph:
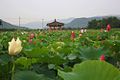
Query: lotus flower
(81, 31)
(14, 47)
(108, 28)
(32, 36)
(72, 35)
(80, 34)
(102, 58)
(105, 30)
(85, 30)
(30, 40)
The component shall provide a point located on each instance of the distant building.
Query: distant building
(55, 25)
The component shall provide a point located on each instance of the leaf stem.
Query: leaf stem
(13, 68)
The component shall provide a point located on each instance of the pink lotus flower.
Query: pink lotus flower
(108, 28)
(32, 36)
(72, 35)
(102, 58)
(30, 40)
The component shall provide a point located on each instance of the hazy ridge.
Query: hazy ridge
(69, 23)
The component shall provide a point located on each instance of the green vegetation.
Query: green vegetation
(92, 70)
(113, 21)
(54, 56)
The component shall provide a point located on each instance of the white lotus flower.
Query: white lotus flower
(14, 47)
(85, 30)
(105, 30)
(81, 31)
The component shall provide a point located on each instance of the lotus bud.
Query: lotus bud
(80, 34)
(108, 28)
(105, 30)
(85, 30)
(102, 58)
(32, 36)
(30, 40)
(81, 31)
(14, 47)
(72, 35)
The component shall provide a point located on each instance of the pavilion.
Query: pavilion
(55, 25)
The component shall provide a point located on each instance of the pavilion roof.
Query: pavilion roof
(55, 24)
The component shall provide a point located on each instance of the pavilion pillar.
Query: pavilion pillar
(61, 28)
(50, 28)
(54, 28)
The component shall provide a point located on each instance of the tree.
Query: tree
(113, 21)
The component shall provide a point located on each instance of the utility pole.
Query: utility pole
(42, 23)
(19, 21)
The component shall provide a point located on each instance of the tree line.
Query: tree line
(96, 24)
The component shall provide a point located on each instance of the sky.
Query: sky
(36, 10)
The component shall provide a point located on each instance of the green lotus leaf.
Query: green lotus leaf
(29, 75)
(92, 53)
(92, 70)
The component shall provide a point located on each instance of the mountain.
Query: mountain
(40, 25)
(78, 22)
(83, 22)
(66, 21)
(69, 22)
(35, 25)
(6, 25)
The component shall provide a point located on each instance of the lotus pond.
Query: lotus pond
(45, 55)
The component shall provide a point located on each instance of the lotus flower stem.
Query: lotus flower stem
(13, 68)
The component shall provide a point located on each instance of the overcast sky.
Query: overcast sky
(35, 10)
